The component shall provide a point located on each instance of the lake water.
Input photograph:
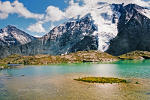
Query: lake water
(55, 82)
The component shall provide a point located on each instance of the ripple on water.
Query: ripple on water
(3, 90)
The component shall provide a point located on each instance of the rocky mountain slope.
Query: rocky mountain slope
(117, 30)
(60, 40)
(133, 31)
(10, 35)
(72, 36)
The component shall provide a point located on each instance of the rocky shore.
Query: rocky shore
(135, 55)
(78, 57)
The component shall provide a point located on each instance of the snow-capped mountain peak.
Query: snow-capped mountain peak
(10, 35)
(105, 19)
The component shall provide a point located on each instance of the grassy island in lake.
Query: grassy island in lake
(101, 80)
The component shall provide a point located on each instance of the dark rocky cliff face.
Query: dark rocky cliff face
(87, 43)
(134, 32)
(66, 38)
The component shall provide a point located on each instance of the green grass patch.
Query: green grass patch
(101, 80)
(4, 66)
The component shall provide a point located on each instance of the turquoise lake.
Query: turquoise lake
(55, 82)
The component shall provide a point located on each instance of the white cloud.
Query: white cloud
(54, 14)
(74, 10)
(37, 27)
(7, 8)
(22, 11)
(3, 15)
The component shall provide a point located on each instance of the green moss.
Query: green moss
(4, 66)
(101, 80)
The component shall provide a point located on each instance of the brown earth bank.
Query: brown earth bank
(135, 55)
(78, 57)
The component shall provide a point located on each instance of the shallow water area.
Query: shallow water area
(55, 82)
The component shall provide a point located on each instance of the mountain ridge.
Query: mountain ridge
(10, 35)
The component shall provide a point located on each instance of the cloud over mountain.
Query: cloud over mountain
(75, 10)
(16, 7)
(37, 27)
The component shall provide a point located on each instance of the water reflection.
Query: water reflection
(104, 70)
(139, 62)
(136, 69)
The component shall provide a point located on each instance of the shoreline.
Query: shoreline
(95, 57)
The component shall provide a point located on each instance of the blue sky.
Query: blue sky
(37, 17)
(36, 6)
